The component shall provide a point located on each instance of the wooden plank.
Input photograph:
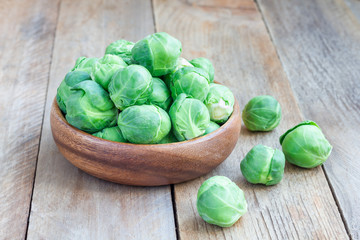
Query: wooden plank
(26, 40)
(318, 44)
(67, 203)
(233, 36)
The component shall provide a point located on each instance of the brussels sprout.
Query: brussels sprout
(262, 113)
(170, 138)
(130, 86)
(84, 64)
(160, 95)
(157, 52)
(190, 80)
(89, 107)
(305, 145)
(111, 133)
(205, 65)
(181, 62)
(212, 127)
(220, 103)
(189, 117)
(104, 69)
(263, 165)
(121, 48)
(64, 90)
(220, 201)
(144, 124)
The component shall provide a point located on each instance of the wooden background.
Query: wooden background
(304, 53)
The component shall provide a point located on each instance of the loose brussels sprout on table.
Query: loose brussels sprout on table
(305, 145)
(189, 117)
(130, 86)
(158, 52)
(111, 133)
(205, 65)
(144, 124)
(104, 69)
(64, 90)
(220, 103)
(262, 113)
(190, 80)
(220, 201)
(263, 165)
(89, 107)
(160, 95)
(121, 48)
(84, 64)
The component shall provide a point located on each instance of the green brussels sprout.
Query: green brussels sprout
(190, 80)
(84, 64)
(220, 103)
(212, 127)
(157, 52)
(305, 145)
(181, 62)
(104, 69)
(111, 133)
(64, 90)
(205, 65)
(144, 124)
(130, 86)
(121, 48)
(160, 95)
(89, 107)
(263, 165)
(189, 117)
(220, 201)
(262, 113)
(170, 138)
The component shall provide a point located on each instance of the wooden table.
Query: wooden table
(304, 53)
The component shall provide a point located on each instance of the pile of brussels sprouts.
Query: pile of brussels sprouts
(144, 93)
(221, 202)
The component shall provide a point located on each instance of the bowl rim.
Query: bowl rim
(236, 111)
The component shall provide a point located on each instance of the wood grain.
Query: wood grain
(144, 164)
(233, 35)
(26, 41)
(320, 54)
(68, 203)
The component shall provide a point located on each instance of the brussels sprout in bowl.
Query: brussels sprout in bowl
(145, 164)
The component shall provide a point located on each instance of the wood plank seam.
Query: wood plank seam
(43, 115)
(302, 116)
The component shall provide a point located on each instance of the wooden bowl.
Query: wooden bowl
(142, 164)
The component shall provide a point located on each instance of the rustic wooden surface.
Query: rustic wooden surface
(304, 53)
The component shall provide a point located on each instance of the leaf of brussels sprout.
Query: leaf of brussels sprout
(212, 127)
(189, 117)
(111, 133)
(84, 64)
(220, 201)
(144, 124)
(307, 122)
(160, 95)
(64, 90)
(104, 69)
(89, 107)
(170, 138)
(157, 52)
(121, 48)
(305, 145)
(263, 165)
(181, 62)
(220, 102)
(205, 65)
(130, 86)
(262, 113)
(190, 80)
